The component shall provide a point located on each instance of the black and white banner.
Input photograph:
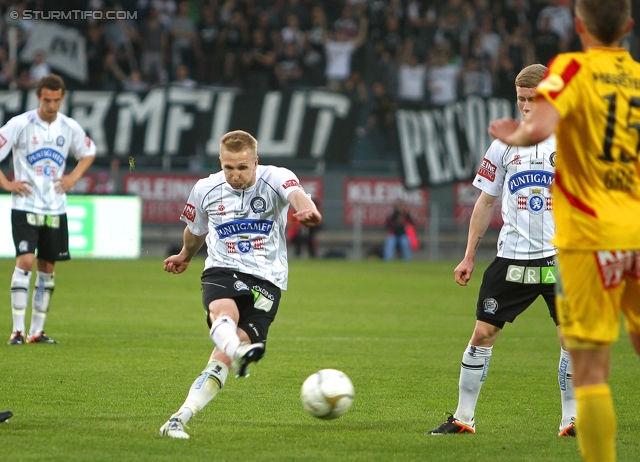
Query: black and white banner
(309, 124)
(63, 49)
(446, 145)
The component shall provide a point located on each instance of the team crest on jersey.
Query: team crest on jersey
(3, 141)
(189, 212)
(60, 140)
(490, 305)
(244, 246)
(487, 170)
(552, 159)
(535, 202)
(258, 205)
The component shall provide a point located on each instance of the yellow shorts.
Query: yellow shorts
(592, 289)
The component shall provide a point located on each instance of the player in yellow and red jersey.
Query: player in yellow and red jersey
(592, 102)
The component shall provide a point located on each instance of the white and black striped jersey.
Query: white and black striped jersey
(246, 227)
(40, 152)
(523, 176)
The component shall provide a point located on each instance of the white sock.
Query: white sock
(475, 365)
(224, 334)
(203, 390)
(19, 297)
(567, 395)
(40, 304)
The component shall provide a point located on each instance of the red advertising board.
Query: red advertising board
(165, 195)
(466, 195)
(375, 198)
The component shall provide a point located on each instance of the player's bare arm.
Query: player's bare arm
(306, 211)
(539, 126)
(67, 181)
(177, 264)
(20, 187)
(480, 219)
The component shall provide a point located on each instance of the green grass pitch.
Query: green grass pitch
(133, 338)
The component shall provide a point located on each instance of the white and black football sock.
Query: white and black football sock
(203, 390)
(475, 365)
(19, 297)
(42, 292)
(567, 395)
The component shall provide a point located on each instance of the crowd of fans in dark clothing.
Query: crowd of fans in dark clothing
(384, 53)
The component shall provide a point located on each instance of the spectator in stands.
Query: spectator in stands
(474, 80)
(442, 79)
(182, 78)
(127, 82)
(233, 40)
(96, 52)
(519, 48)
(38, 69)
(412, 76)
(560, 21)
(166, 11)
(339, 50)
(384, 68)
(380, 123)
(547, 42)
(259, 63)
(490, 41)
(154, 41)
(292, 34)
(288, 68)
(313, 65)
(209, 64)
(347, 24)
(184, 37)
(7, 70)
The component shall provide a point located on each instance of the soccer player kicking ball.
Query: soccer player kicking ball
(524, 267)
(592, 102)
(241, 214)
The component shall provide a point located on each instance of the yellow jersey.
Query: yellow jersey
(597, 183)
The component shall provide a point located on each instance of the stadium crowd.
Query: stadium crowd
(410, 52)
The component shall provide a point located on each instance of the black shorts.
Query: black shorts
(256, 298)
(510, 286)
(49, 234)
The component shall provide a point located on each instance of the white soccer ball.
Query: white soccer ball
(327, 394)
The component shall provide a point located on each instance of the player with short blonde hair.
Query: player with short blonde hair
(524, 268)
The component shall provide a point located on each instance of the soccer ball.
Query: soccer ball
(327, 394)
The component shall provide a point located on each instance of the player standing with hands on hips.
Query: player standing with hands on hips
(524, 267)
(41, 140)
(592, 102)
(241, 215)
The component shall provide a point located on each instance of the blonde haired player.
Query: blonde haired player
(524, 267)
(241, 214)
(592, 102)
